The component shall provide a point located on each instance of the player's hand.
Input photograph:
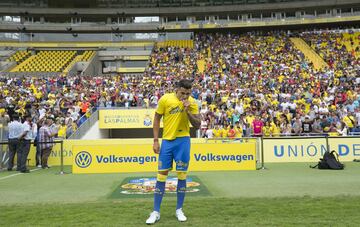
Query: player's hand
(156, 147)
(186, 104)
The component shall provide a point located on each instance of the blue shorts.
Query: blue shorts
(178, 150)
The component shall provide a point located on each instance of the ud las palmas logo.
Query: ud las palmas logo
(147, 120)
(147, 186)
(83, 159)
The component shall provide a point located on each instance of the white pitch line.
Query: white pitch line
(16, 174)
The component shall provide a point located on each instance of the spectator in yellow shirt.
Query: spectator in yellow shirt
(224, 131)
(238, 130)
(62, 130)
(217, 132)
(266, 130)
(349, 121)
(276, 129)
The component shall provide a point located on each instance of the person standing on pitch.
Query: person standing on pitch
(177, 110)
(46, 141)
(15, 132)
(30, 130)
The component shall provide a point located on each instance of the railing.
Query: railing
(2, 148)
(2, 137)
(86, 124)
(4, 158)
(20, 74)
(310, 134)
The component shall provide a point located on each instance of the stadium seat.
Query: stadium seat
(47, 61)
(19, 56)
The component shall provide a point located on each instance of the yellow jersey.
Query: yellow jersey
(266, 130)
(217, 133)
(275, 130)
(175, 119)
(62, 131)
(349, 121)
(249, 119)
(224, 132)
(238, 132)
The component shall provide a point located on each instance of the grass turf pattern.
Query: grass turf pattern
(289, 194)
(303, 211)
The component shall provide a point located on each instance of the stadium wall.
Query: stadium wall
(93, 67)
(94, 133)
(281, 150)
(300, 149)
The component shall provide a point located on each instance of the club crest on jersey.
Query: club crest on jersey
(181, 164)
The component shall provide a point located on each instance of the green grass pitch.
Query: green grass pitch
(288, 194)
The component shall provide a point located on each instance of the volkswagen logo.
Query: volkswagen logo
(83, 159)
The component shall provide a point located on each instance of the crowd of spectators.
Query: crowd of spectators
(251, 85)
(63, 99)
(261, 85)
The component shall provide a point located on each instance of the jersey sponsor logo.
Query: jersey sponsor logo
(176, 110)
(83, 159)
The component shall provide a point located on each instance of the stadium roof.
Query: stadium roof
(148, 3)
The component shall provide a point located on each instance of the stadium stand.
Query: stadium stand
(19, 56)
(251, 75)
(87, 55)
(243, 76)
(46, 61)
(333, 48)
(310, 53)
(283, 76)
(277, 84)
(177, 43)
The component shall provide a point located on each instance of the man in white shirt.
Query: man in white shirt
(29, 133)
(42, 111)
(15, 132)
(73, 114)
(323, 109)
(239, 107)
(203, 109)
(285, 104)
(357, 120)
(209, 133)
(292, 107)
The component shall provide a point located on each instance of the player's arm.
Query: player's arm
(194, 119)
(156, 129)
